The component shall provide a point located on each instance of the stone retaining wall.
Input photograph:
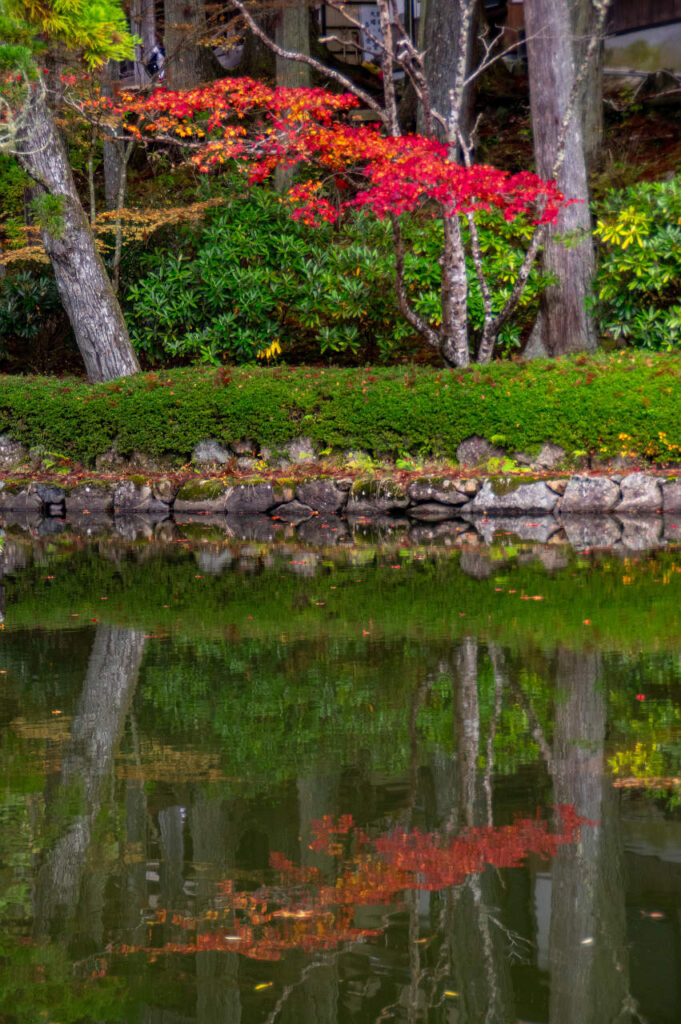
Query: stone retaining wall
(425, 500)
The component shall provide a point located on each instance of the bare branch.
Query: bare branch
(420, 325)
(303, 58)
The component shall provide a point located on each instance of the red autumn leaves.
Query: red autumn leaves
(261, 127)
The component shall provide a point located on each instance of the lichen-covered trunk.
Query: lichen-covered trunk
(293, 34)
(454, 298)
(84, 287)
(565, 324)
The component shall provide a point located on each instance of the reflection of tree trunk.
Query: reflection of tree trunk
(467, 726)
(315, 996)
(86, 766)
(217, 974)
(477, 946)
(171, 828)
(589, 976)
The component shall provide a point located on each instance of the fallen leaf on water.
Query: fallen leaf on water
(264, 984)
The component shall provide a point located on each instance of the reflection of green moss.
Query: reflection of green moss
(638, 614)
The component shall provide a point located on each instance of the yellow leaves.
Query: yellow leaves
(631, 226)
(99, 30)
(136, 225)
(270, 352)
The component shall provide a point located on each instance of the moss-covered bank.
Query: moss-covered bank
(609, 405)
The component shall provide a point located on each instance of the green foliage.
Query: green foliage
(95, 28)
(30, 308)
(255, 278)
(640, 265)
(48, 211)
(580, 403)
(502, 245)
(13, 181)
(258, 278)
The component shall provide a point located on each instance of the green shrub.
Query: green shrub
(601, 404)
(255, 280)
(31, 313)
(640, 265)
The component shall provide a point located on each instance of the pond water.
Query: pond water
(245, 783)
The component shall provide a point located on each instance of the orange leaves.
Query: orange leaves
(262, 127)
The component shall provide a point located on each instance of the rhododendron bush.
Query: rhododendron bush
(346, 164)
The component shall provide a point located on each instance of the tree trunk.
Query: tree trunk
(584, 24)
(187, 64)
(293, 33)
(439, 38)
(111, 150)
(84, 288)
(564, 324)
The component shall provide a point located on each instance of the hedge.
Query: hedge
(608, 404)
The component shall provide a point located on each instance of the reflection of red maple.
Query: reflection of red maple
(307, 911)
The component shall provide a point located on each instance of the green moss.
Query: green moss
(138, 480)
(201, 490)
(581, 403)
(502, 485)
(377, 488)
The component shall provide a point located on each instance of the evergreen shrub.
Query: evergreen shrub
(627, 402)
(639, 229)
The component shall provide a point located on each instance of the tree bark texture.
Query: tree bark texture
(187, 63)
(590, 111)
(111, 149)
(565, 324)
(84, 288)
(293, 34)
(439, 38)
(87, 763)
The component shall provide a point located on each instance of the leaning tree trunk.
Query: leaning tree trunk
(564, 322)
(84, 288)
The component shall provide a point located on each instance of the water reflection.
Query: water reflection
(328, 829)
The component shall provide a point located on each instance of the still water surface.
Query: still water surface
(244, 784)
